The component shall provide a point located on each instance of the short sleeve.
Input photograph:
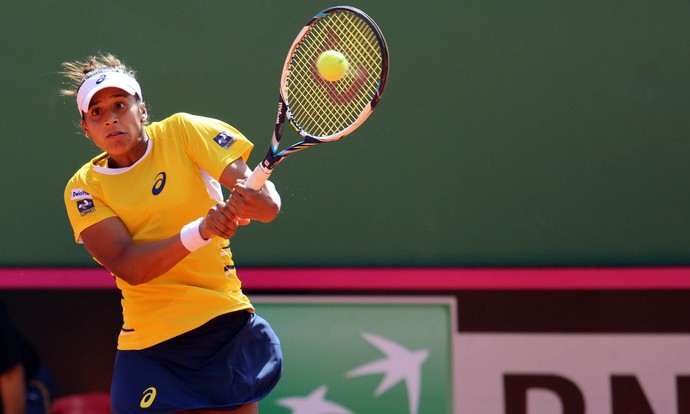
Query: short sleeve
(84, 205)
(211, 143)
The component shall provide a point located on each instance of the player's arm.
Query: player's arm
(262, 205)
(111, 244)
(13, 390)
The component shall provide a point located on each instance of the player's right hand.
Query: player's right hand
(221, 222)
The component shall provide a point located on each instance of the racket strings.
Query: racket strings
(322, 108)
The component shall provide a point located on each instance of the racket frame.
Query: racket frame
(273, 156)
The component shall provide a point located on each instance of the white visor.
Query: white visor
(106, 80)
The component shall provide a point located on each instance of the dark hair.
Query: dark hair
(78, 71)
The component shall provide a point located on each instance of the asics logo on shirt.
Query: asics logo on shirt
(159, 183)
(147, 399)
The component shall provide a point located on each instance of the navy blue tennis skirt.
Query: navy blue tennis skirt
(232, 360)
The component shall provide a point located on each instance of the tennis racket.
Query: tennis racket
(321, 110)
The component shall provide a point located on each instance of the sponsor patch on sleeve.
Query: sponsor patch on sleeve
(224, 139)
(80, 194)
(85, 206)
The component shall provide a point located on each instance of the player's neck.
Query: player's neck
(131, 157)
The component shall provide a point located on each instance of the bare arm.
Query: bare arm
(13, 390)
(111, 244)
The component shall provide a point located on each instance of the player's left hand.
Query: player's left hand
(251, 204)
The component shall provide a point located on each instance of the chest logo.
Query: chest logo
(159, 183)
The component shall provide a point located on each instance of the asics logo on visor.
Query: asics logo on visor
(113, 79)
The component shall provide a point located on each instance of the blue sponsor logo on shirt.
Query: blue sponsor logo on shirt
(85, 206)
(79, 193)
(224, 139)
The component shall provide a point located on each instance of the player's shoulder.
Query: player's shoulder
(170, 121)
(177, 121)
(187, 123)
(182, 117)
(185, 117)
(81, 180)
(85, 171)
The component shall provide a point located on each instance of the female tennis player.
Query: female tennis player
(149, 209)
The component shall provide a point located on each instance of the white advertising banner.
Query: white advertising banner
(571, 373)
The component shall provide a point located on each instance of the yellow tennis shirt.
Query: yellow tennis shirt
(175, 182)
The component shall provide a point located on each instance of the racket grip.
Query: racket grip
(258, 178)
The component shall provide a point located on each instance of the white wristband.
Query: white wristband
(191, 237)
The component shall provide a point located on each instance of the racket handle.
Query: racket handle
(258, 177)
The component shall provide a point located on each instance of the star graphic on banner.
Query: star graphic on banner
(314, 403)
(399, 365)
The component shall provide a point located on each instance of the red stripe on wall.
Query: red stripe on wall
(401, 279)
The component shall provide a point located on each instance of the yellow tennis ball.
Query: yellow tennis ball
(332, 65)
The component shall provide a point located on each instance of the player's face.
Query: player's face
(114, 123)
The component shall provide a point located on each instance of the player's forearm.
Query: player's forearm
(138, 263)
(13, 390)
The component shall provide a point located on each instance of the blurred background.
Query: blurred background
(531, 134)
